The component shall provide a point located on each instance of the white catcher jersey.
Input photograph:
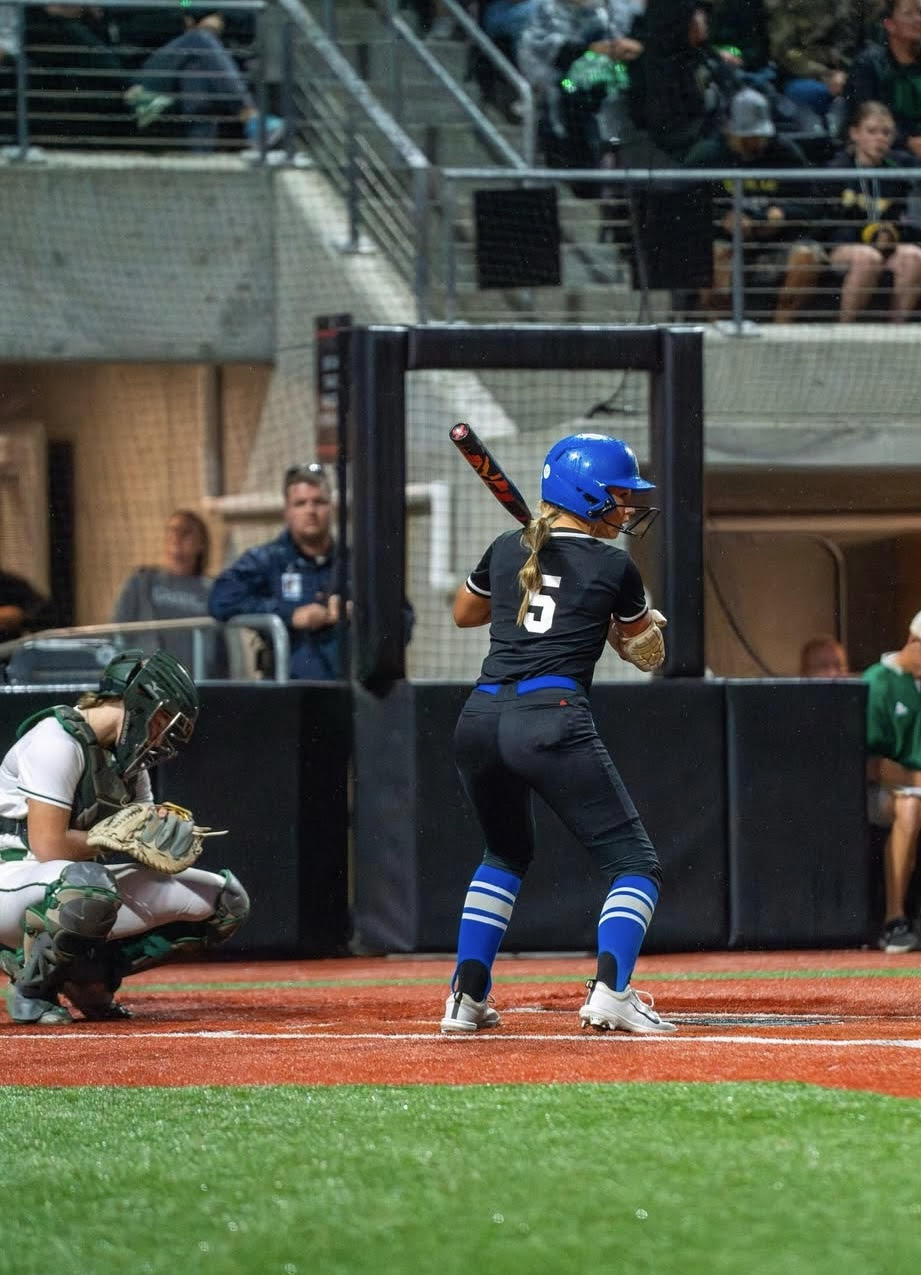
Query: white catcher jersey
(46, 765)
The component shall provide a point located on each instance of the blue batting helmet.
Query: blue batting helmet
(579, 469)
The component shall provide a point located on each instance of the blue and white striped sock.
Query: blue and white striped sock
(622, 926)
(484, 920)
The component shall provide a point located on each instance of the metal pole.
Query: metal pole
(351, 177)
(738, 289)
(421, 219)
(449, 247)
(286, 95)
(22, 76)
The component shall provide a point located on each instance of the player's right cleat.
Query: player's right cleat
(464, 1015)
(607, 1010)
(39, 1013)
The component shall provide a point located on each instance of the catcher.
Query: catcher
(96, 881)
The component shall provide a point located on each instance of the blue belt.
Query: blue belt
(547, 682)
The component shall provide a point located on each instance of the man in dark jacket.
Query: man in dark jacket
(302, 576)
(891, 73)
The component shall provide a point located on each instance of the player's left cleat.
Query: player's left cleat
(95, 1002)
(465, 1015)
(628, 1011)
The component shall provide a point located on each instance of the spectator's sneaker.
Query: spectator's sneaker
(147, 106)
(274, 130)
(898, 937)
(629, 1011)
(464, 1014)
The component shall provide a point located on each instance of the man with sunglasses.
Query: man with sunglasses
(70, 925)
(302, 576)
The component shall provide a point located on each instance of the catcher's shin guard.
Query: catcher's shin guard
(67, 929)
(188, 938)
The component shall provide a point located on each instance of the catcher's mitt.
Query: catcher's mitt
(163, 837)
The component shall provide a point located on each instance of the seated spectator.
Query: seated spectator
(823, 656)
(302, 576)
(870, 230)
(894, 742)
(891, 73)
(680, 87)
(813, 43)
(22, 608)
(195, 74)
(177, 589)
(776, 253)
(572, 53)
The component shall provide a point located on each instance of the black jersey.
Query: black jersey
(585, 582)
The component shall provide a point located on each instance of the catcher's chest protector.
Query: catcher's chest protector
(102, 789)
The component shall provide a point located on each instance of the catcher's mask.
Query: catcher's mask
(161, 707)
(579, 470)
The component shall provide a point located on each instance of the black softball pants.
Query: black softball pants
(509, 746)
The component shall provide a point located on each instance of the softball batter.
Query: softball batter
(552, 596)
(72, 925)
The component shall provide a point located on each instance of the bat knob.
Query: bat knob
(460, 431)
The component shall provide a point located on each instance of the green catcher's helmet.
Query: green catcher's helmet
(161, 707)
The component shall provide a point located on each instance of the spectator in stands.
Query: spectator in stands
(823, 656)
(177, 589)
(504, 21)
(813, 43)
(870, 230)
(681, 86)
(894, 742)
(22, 608)
(301, 576)
(573, 53)
(776, 253)
(195, 74)
(891, 73)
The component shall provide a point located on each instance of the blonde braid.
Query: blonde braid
(534, 537)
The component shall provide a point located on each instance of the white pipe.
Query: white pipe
(434, 498)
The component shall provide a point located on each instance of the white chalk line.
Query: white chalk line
(54, 1035)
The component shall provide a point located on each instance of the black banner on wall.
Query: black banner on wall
(331, 382)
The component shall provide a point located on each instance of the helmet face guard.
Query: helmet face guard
(161, 708)
(578, 472)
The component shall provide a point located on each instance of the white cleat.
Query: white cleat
(464, 1014)
(627, 1011)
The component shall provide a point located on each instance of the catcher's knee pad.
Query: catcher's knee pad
(188, 938)
(231, 908)
(76, 916)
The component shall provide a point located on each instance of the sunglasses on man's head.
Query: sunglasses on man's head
(313, 470)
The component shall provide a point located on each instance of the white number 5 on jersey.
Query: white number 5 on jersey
(540, 613)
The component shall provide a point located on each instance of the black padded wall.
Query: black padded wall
(417, 841)
(799, 845)
(269, 762)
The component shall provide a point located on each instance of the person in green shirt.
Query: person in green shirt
(894, 744)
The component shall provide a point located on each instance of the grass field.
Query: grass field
(702, 1179)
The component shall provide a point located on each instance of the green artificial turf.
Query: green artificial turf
(518, 1180)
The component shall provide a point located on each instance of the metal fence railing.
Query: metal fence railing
(210, 649)
(667, 244)
(115, 79)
